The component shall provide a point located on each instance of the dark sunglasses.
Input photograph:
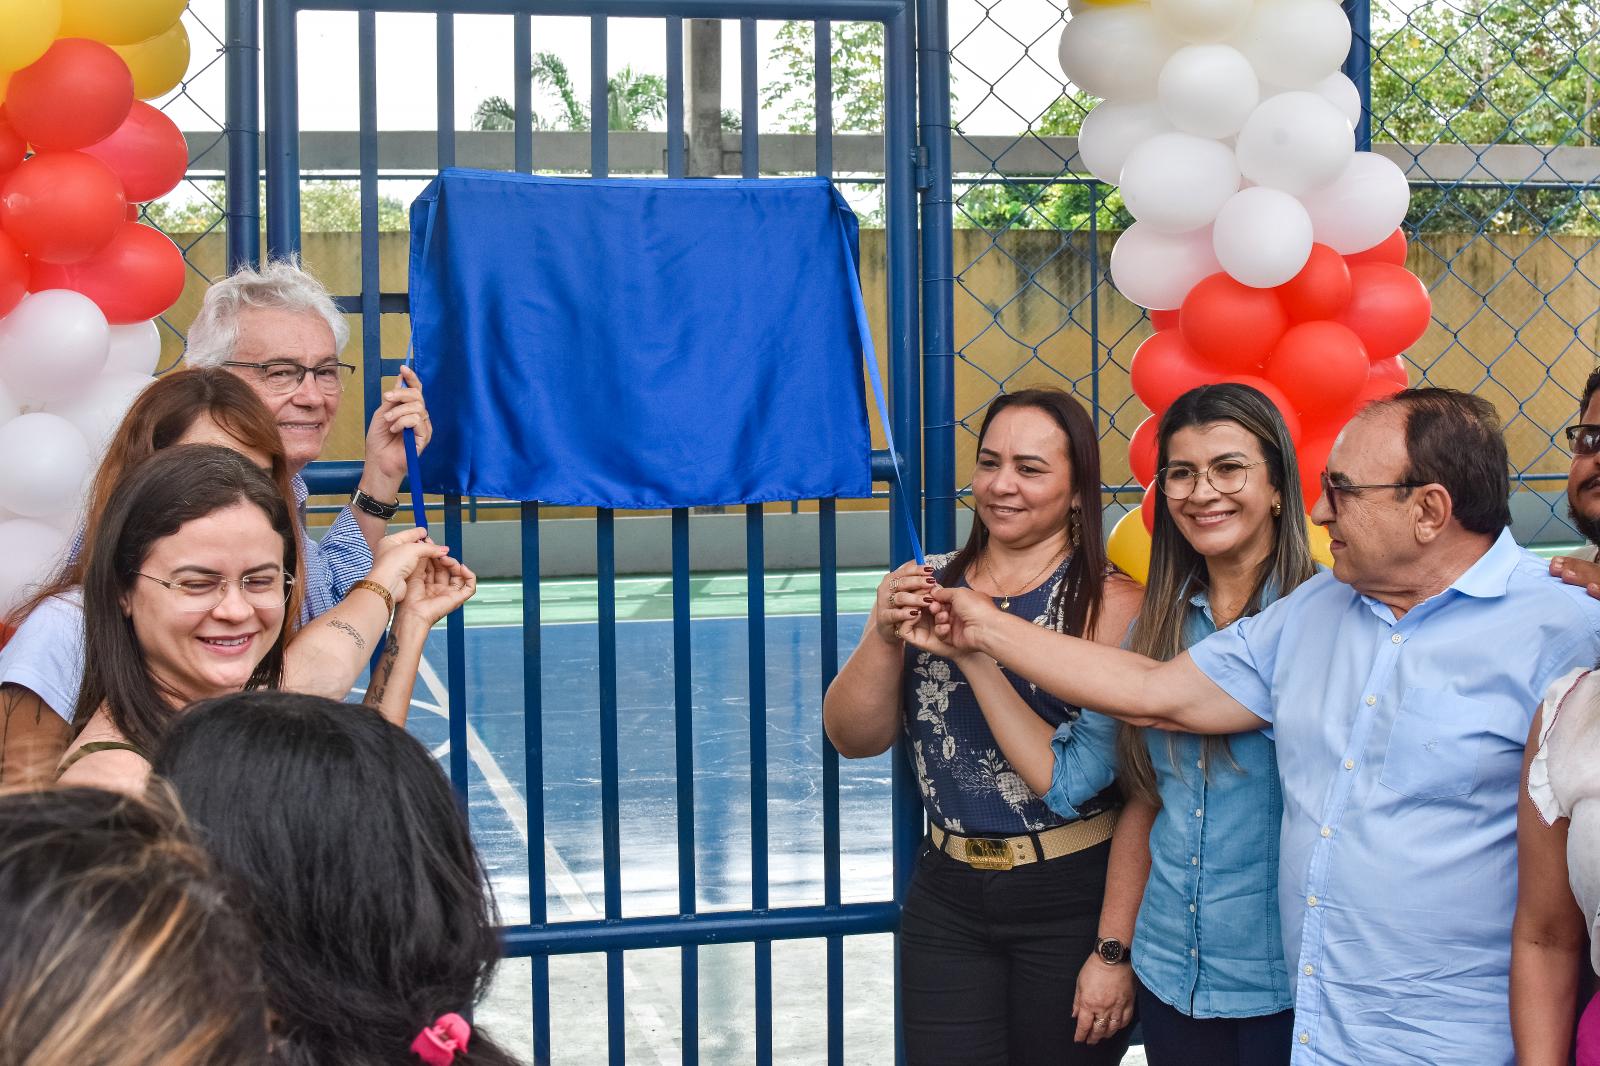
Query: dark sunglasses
(1583, 439)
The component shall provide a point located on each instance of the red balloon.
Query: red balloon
(77, 93)
(12, 146)
(1392, 249)
(1142, 451)
(1232, 326)
(1147, 508)
(1164, 368)
(61, 206)
(1389, 308)
(13, 275)
(1291, 420)
(147, 152)
(1164, 319)
(1321, 289)
(138, 276)
(1311, 456)
(1376, 388)
(1392, 369)
(1320, 366)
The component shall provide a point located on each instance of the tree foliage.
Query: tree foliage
(856, 57)
(325, 207)
(633, 100)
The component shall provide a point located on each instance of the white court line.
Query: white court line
(645, 1015)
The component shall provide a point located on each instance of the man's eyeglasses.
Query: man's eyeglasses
(200, 594)
(281, 377)
(1331, 491)
(1583, 439)
(1227, 476)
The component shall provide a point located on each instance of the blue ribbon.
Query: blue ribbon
(419, 508)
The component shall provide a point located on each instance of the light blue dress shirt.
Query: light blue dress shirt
(1400, 753)
(1207, 940)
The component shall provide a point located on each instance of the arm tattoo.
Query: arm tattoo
(380, 676)
(345, 627)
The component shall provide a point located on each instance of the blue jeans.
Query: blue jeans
(1172, 1038)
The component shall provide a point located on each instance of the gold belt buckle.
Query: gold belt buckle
(985, 854)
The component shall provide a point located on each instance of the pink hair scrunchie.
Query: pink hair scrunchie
(438, 1043)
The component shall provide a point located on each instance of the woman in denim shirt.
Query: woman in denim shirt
(1195, 853)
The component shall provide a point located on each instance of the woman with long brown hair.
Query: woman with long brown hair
(1006, 894)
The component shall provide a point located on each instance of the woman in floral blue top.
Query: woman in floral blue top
(1006, 896)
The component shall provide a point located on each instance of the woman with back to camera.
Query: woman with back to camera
(1007, 889)
(187, 595)
(354, 861)
(1194, 901)
(118, 944)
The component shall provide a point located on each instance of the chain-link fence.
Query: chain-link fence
(1490, 109)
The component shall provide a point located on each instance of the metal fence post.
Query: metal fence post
(242, 214)
(1358, 66)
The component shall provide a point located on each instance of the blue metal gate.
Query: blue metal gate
(912, 322)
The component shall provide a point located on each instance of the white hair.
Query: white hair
(282, 284)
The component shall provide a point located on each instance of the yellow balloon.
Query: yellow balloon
(159, 64)
(1321, 543)
(27, 29)
(118, 21)
(1128, 547)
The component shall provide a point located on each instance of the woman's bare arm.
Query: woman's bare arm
(32, 738)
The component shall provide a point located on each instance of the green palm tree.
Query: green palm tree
(633, 99)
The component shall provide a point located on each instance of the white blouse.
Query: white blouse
(1564, 782)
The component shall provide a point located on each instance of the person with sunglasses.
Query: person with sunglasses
(1400, 690)
(280, 331)
(1583, 492)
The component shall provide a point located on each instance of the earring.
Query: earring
(1277, 508)
(1074, 530)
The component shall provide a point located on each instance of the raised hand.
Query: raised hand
(435, 588)
(903, 596)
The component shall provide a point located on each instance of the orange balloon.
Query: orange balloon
(78, 93)
(61, 206)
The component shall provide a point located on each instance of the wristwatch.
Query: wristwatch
(1112, 951)
(376, 508)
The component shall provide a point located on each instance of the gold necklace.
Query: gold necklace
(1005, 598)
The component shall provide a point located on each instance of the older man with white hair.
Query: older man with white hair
(279, 330)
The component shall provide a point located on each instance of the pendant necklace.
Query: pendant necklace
(1005, 598)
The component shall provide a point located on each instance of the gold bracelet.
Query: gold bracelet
(373, 586)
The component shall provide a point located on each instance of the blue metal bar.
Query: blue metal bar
(533, 769)
(683, 735)
(610, 804)
(675, 136)
(456, 661)
(444, 65)
(828, 576)
(367, 140)
(599, 100)
(1095, 274)
(749, 111)
(1358, 65)
(938, 275)
(756, 628)
(904, 397)
(242, 199)
(716, 927)
(522, 93)
(838, 10)
(283, 131)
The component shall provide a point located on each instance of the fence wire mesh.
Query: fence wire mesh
(1489, 107)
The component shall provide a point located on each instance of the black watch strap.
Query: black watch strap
(376, 508)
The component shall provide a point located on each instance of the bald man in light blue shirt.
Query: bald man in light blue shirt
(1400, 690)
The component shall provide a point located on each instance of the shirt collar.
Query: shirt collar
(1491, 574)
(301, 492)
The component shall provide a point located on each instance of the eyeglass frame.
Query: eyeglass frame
(1161, 478)
(1573, 431)
(223, 585)
(344, 370)
(1330, 491)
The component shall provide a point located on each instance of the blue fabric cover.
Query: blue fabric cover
(638, 343)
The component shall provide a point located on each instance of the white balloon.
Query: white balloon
(1115, 52)
(10, 406)
(44, 464)
(1112, 130)
(1208, 90)
(1177, 182)
(135, 349)
(52, 345)
(98, 412)
(1295, 43)
(1342, 93)
(1295, 141)
(29, 554)
(1201, 20)
(1156, 270)
(1362, 206)
(1262, 237)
